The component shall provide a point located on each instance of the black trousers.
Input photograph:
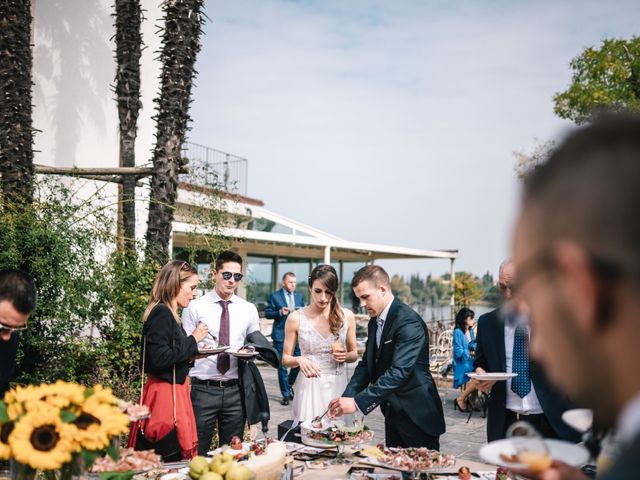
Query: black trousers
(216, 407)
(539, 421)
(400, 431)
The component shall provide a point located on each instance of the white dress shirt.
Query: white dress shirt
(629, 421)
(243, 320)
(529, 404)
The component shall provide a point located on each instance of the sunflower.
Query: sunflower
(5, 449)
(97, 423)
(40, 440)
(104, 395)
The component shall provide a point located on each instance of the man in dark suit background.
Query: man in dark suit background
(577, 254)
(17, 301)
(529, 396)
(281, 303)
(394, 370)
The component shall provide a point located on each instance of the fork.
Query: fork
(320, 417)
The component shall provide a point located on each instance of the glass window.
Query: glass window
(259, 281)
(300, 268)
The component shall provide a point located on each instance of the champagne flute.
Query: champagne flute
(530, 446)
(338, 346)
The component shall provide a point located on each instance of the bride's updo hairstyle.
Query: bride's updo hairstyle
(329, 278)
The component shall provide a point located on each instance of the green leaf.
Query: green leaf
(67, 416)
(4, 416)
(88, 392)
(116, 475)
(113, 452)
(89, 456)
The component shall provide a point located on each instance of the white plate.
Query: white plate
(567, 452)
(580, 419)
(235, 353)
(492, 376)
(212, 351)
(174, 476)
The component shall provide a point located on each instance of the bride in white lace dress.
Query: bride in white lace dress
(326, 333)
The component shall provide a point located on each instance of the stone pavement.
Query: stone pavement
(461, 439)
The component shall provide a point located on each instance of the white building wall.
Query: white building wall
(73, 72)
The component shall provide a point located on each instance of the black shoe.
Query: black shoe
(456, 406)
(284, 401)
(291, 395)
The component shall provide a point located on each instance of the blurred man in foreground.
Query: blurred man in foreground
(577, 254)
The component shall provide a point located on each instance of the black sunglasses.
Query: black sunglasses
(7, 328)
(236, 276)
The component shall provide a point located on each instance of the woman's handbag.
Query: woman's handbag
(167, 446)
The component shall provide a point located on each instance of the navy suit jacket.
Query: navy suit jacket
(278, 301)
(396, 376)
(490, 355)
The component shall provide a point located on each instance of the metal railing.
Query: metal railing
(210, 167)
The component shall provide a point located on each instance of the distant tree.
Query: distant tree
(400, 289)
(467, 290)
(16, 132)
(180, 45)
(525, 162)
(605, 78)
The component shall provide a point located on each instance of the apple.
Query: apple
(211, 476)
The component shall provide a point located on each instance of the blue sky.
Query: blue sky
(393, 121)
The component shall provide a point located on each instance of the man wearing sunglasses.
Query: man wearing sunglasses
(225, 390)
(17, 301)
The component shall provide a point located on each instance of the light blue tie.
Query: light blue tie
(291, 302)
(521, 384)
(380, 323)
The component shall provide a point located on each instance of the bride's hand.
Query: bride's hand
(340, 357)
(308, 368)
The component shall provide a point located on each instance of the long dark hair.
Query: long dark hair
(461, 318)
(329, 278)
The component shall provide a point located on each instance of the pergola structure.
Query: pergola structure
(258, 232)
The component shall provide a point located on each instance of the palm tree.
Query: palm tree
(180, 45)
(128, 18)
(16, 132)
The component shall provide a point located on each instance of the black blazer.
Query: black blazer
(627, 465)
(490, 355)
(8, 351)
(396, 376)
(167, 344)
(255, 401)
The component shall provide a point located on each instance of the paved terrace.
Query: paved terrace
(461, 439)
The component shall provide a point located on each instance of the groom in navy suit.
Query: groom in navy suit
(281, 303)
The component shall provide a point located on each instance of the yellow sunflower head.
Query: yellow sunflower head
(104, 395)
(97, 423)
(41, 440)
(5, 449)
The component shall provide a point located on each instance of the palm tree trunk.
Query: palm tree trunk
(128, 49)
(181, 43)
(16, 133)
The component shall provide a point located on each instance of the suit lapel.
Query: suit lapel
(388, 323)
(500, 339)
(284, 297)
(371, 349)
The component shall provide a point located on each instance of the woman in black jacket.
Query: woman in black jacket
(168, 355)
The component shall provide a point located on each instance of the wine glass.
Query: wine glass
(530, 446)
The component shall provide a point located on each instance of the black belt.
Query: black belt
(524, 416)
(215, 383)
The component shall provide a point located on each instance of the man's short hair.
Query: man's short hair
(18, 288)
(227, 256)
(588, 191)
(288, 274)
(372, 273)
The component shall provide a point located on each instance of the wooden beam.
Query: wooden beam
(137, 171)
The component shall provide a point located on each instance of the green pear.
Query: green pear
(198, 466)
(221, 463)
(239, 472)
(211, 476)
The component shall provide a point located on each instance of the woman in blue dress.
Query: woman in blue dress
(464, 345)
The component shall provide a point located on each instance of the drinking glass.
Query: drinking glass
(530, 446)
